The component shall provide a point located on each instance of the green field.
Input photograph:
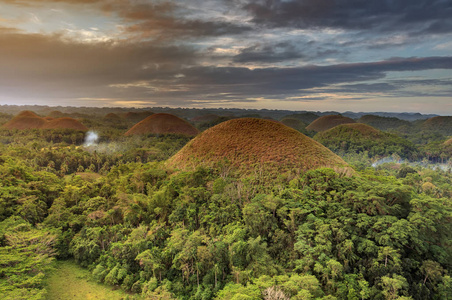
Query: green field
(71, 282)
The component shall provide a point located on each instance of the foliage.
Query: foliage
(26, 254)
(213, 233)
(359, 138)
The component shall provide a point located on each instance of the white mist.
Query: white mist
(91, 138)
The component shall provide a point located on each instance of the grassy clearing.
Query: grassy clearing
(71, 282)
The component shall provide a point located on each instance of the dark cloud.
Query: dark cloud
(171, 52)
(394, 89)
(34, 60)
(56, 67)
(283, 81)
(170, 28)
(424, 82)
(156, 21)
(168, 20)
(269, 53)
(432, 16)
(28, 3)
(363, 88)
(279, 52)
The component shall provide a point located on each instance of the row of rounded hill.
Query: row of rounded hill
(304, 121)
(146, 122)
(247, 143)
(152, 124)
(30, 120)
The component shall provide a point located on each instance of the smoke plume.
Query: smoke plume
(91, 138)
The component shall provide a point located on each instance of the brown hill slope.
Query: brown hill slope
(64, 123)
(112, 116)
(56, 114)
(306, 117)
(25, 120)
(328, 122)
(294, 123)
(441, 124)
(27, 113)
(364, 129)
(137, 116)
(250, 143)
(163, 123)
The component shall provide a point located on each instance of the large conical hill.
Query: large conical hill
(163, 123)
(328, 122)
(250, 143)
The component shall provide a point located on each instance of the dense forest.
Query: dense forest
(137, 223)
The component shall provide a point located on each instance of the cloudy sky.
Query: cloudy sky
(358, 55)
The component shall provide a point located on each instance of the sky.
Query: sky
(319, 55)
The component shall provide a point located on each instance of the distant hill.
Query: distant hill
(383, 123)
(401, 116)
(205, 118)
(207, 124)
(56, 114)
(30, 120)
(294, 123)
(64, 123)
(4, 118)
(307, 117)
(440, 124)
(137, 116)
(26, 113)
(112, 116)
(25, 120)
(250, 144)
(358, 137)
(163, 123)
(189, 113)
(328, 122)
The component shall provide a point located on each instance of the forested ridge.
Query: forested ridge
(160, 233)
